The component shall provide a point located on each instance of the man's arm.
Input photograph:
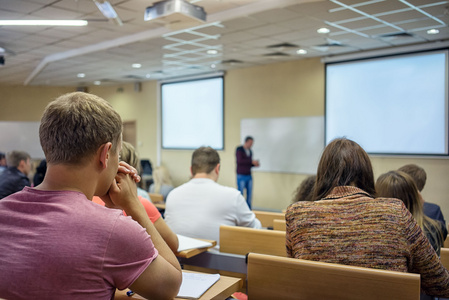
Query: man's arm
(245, 217)
(162, 278)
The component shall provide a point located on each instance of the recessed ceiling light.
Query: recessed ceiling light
(212, 51)
(213, 66)
(148, 75)
(323, 30)
(2, 50)
(97, 82)
(301, 51)
(137, 66)
(433, 31)
(43, 22)
(81, 75)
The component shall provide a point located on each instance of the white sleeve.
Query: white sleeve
(245, 217)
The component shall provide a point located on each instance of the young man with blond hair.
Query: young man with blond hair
(55, 243)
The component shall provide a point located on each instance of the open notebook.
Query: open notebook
(186, 243)
(194, 284)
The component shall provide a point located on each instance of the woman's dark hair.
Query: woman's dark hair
(305, 190)
(343, 163)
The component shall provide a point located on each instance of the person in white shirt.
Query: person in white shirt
(198, 208)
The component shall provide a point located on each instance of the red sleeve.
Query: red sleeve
(152, 211)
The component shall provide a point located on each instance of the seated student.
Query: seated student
(129, 155)
(2, 162)
(55, 243)
(15, 177)
(431, 210)
(399, 185)
(162, 183)
(305, 190)
(347, 225)
(40, 173)
(198, 208)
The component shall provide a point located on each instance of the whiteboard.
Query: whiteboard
(286, 145)
(22, 136)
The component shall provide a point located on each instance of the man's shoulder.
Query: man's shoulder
(239, 148)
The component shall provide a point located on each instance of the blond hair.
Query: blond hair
(161, 177)
(400, 185)
(129, 155)
(75, 125)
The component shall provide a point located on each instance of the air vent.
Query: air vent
(283, 45)
(133, 77)
(276, 54)
(231, 62)
(396, 35)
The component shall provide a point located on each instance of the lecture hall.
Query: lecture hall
(281, 66)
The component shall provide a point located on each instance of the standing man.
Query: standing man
(15, 177)
(245, 162)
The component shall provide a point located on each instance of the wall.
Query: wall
(286, 89)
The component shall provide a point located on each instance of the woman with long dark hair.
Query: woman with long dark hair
(347, 224)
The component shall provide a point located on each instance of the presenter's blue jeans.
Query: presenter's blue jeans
(245, 182)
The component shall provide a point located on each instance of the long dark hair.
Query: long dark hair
(344, 162)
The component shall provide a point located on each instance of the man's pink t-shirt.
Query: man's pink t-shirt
(60, 245)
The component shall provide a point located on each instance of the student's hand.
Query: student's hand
(121, 191)
(256, 163)
(127, 169)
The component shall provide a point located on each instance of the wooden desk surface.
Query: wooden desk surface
(192, 252)
(222, 289)
(160, 205)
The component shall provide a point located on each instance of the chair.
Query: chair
(279, 225)
(242, 240)
(274, 277)
(267, 217)
(156, 198)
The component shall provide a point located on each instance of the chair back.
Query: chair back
(267, 217)
(279, 225)
(274, 277)
(156, 198)
(242, 240)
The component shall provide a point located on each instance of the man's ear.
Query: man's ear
(191, 173)
(217, 169)
(104, 154)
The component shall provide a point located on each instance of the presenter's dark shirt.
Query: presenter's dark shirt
(244, 162)
(12, 181)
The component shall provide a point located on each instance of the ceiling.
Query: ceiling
(244, 33)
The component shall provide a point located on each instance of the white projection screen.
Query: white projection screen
(394, 105)
(192, 114)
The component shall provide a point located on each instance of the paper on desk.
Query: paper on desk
(195, 284)
(186, 243)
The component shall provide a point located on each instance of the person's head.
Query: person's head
(76, 125)
(129, 155)
(204, 160)
(399, 185)
(305, 190)
(20, 160)
(248, 142)
(2, 159)
(417, 173)
(343, 163)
